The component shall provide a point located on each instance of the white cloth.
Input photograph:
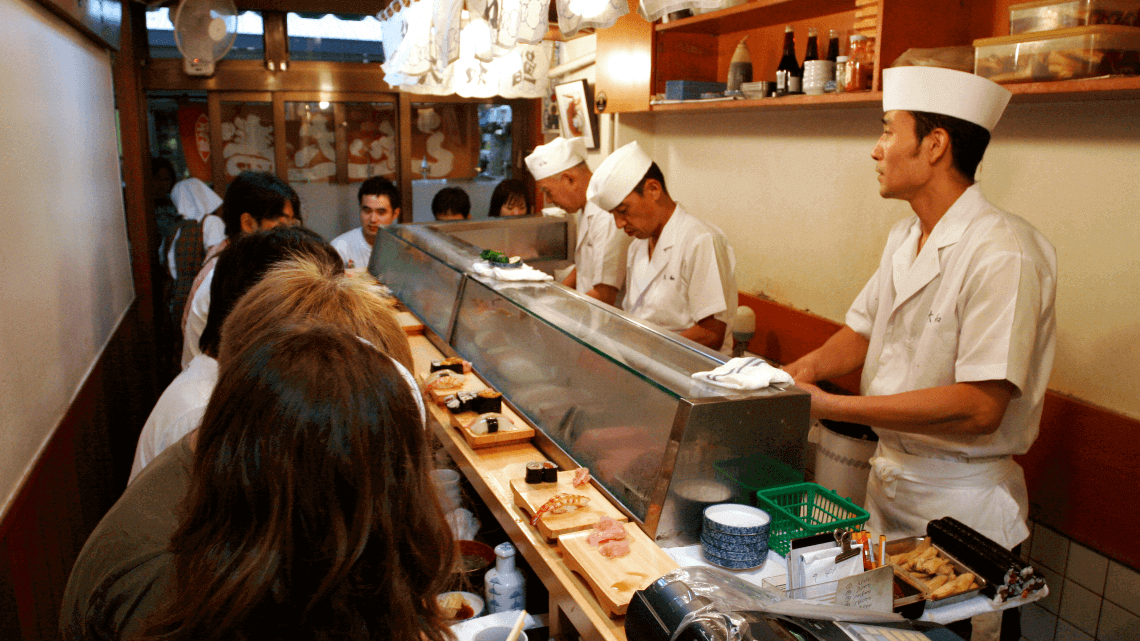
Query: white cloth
(518, 274)
(977, 304)
(178, 411)
(194, 199)
(744, 373)
(618, 174)
(576, 15)
(213, 231)
(196, 319)
(600, 255)
(653, 10)
(354, 250)
(690, 277)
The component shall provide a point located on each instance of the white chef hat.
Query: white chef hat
(945, 91)
(555, 157)
(194, 199)
(618, 175)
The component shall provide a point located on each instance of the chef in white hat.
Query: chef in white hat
(954, 331)
(561, 173)
(680, 271)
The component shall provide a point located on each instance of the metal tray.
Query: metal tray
(906, 545)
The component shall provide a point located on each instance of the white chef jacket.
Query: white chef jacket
(976, 304)
(199, 310)
(600, 255)
(690, 277)
(353, 248)
(178, 411)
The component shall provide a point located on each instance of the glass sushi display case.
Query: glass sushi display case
(604, 390)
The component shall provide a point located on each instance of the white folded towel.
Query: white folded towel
(522, 273)
(744, 374)
(194, 199)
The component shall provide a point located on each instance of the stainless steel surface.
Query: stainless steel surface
(604, 390)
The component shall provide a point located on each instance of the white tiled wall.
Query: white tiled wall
(1091, 598)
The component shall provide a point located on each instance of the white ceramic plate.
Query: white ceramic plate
(473, 600)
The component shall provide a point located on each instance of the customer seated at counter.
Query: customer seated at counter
(680, 270)
(239, 267)
(511, 199)
(451, 203)
(379, 202)
(561, 173)
(301, 509)
(254, 201)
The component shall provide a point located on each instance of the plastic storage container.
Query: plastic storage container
(805, 509)
(1044, 15)
(1062, 54)
(748, 475)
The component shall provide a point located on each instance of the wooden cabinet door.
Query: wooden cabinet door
(624, 64)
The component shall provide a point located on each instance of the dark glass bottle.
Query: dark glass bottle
(833, 45)
(812, 45)
(789, 75)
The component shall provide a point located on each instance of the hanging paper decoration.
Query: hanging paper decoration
(652, 10)
(575, 15)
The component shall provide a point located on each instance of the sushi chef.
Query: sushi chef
(560, 172)
(954, 331)
(679, 269)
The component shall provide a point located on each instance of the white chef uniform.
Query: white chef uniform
(353, 248)
(600, 256)
(691, 275)
(976, 304)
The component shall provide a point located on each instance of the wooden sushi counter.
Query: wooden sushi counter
(490, 471)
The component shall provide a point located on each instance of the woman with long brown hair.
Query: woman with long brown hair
(302, 508)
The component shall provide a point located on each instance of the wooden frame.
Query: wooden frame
(575, 113)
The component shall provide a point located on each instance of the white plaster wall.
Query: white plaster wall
(63, 250)
(796, 194)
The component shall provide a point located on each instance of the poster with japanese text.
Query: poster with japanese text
(194, 130)
(247, 138)
(445, 140)
(372, 138)
(310, 142)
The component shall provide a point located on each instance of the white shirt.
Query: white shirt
(213, 231)
(600, 255)
(354, 250)
(196, 319)
(975, 305)
(690, 277)
(178, 411)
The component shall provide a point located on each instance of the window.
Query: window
(335, 38)
(249, 44)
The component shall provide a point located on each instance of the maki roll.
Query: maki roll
(460, 403)
(454, 364)
(487, 401)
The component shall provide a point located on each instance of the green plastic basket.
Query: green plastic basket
(804, 509)
(750, 474)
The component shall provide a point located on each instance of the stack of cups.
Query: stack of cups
(735, 536)
(447, 485)
(816, 75)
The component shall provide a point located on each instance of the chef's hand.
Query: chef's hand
(821, 401)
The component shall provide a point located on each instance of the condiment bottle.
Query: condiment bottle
(860, 65)
(840, 74)
(812, 52)
(789, 75)
(740, 69)
(833, 45)
(504, 584)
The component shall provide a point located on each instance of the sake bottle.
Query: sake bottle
(740, 68)
(504, 584)
(789, 74)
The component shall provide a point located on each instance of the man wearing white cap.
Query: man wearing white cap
(954, 331)
(680, 271)
(560, 171)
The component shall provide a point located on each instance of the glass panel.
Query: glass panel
(425, 284)
(579, 399)
(247, 138)
(373, 141)
(336, 38)
(180, 132)
(248, 45)
(310, 142)
(495, 146)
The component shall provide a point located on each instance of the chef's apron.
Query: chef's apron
(905, 492)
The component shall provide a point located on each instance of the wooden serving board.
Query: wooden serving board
(412, 326)
(532, 497)
(615, 580)
(471, 383)
(520, 432)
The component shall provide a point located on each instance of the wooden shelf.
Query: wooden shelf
(755, 14)
(1117, 88)
(826, 101)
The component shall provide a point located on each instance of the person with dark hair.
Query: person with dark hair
(955, 331)
(511, 199)
(239, 267)
(302, 509)
(451, 203)
(254, 201)
(680, 270)
(379, 202)
(560, 172)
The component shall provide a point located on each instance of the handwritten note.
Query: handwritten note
(870, 590)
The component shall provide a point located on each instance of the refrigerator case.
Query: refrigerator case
(605, 390)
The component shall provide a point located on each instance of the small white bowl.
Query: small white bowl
(473, 600)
